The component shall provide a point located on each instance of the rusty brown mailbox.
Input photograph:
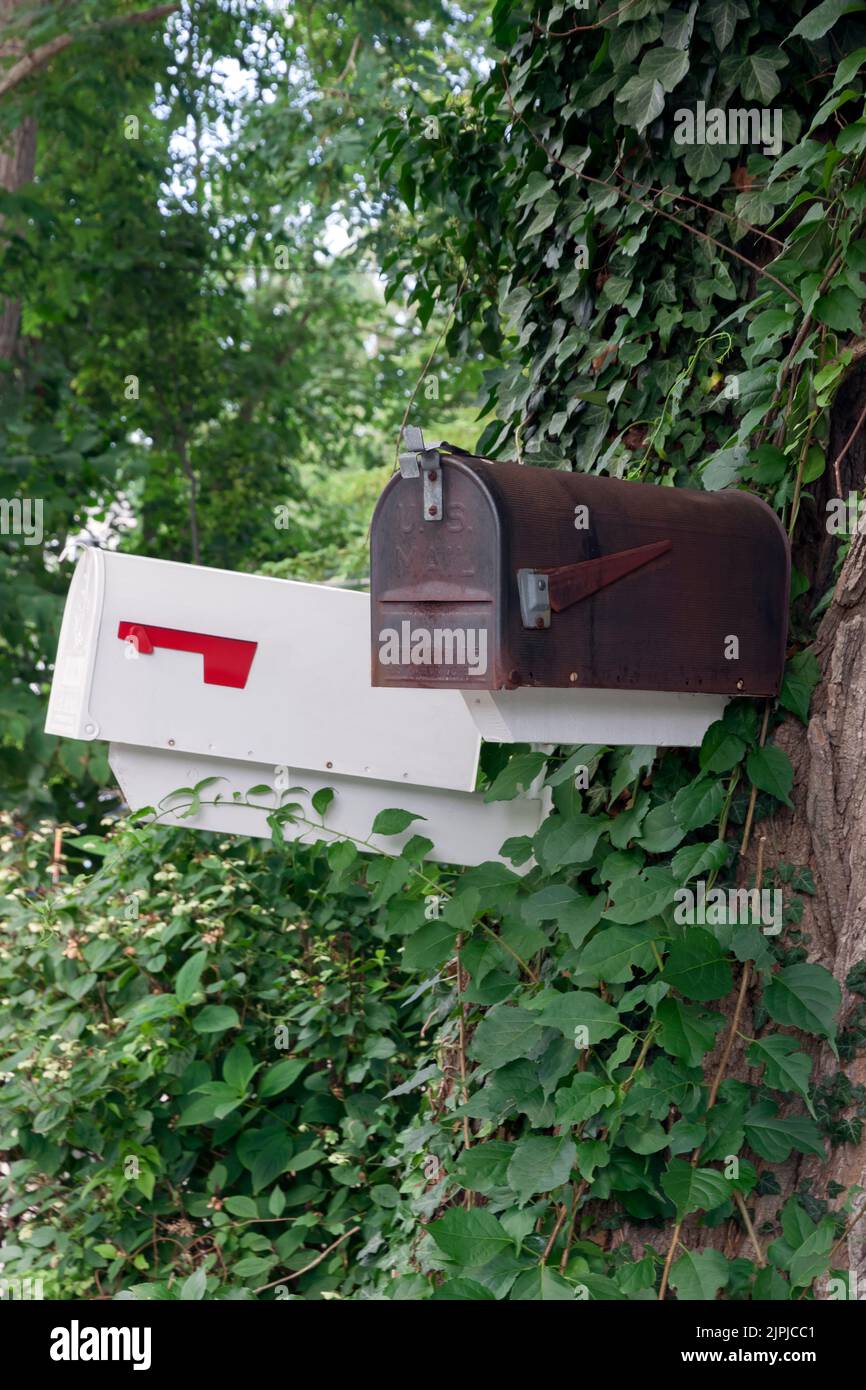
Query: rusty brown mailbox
(493, 576)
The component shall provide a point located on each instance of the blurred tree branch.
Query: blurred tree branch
(32, 62)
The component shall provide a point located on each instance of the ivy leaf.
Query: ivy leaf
(640, 897)
(661, 830)
(587, 1094)
(801, 676)
(642, 98)
(549, 903)
(471, 1238)
(272, 1159)
(665, 65)
(694, 1189)
(840, 307)
(696, 861)
(685, 1031)
(564, 840)
(592, 1154)
(678, 27)
(723, 16)
(505, 1033)
(786, 1068)
(759, 78)
(703, 162)
(644, 1136)
(238, 1068)
(615, 952)
(534, 187)
(770, 770)
(848, 68)
(216, 1018)
(582, 757)
(812, 1258)
(629, 763)
(430, 946)
(484, 1166)
(540, 1163)
(462, 1291)
(720, 750)
(699, 1275)
(545, 213)
(186, 985)
(519, 772)
(542, 1285)
(820, 21)
(697, 967)
(773, 1137)
(724, 468)
(574, 913)
(566, 1011)
(699, 802)
(393, 821)
(804, 996)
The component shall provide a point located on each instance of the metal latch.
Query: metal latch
(428, 462)
(534, 590)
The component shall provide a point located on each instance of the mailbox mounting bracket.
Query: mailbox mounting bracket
(427, 462)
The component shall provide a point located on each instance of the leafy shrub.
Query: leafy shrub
(198, 1044)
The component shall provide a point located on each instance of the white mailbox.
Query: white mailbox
(193, 673)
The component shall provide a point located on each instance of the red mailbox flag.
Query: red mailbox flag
(227, 660)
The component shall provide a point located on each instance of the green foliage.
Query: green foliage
(486, 1070)
(198, 1053)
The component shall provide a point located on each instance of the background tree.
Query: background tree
(205, 336)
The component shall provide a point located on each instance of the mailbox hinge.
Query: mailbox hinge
(534, 589)
(427, 462)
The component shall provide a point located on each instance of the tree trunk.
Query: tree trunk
(825, 831)
(17, 166)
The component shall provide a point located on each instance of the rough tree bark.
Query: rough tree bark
(825, 831)
(827, 828)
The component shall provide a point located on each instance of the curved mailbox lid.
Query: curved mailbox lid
(164, 655)
(571, 580)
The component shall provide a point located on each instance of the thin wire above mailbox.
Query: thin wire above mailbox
(518, 578)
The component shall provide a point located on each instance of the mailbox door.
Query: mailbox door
(436, 586)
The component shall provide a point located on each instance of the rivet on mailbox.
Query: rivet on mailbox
(574, 607)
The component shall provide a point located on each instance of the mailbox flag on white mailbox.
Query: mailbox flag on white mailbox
(193, 673)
